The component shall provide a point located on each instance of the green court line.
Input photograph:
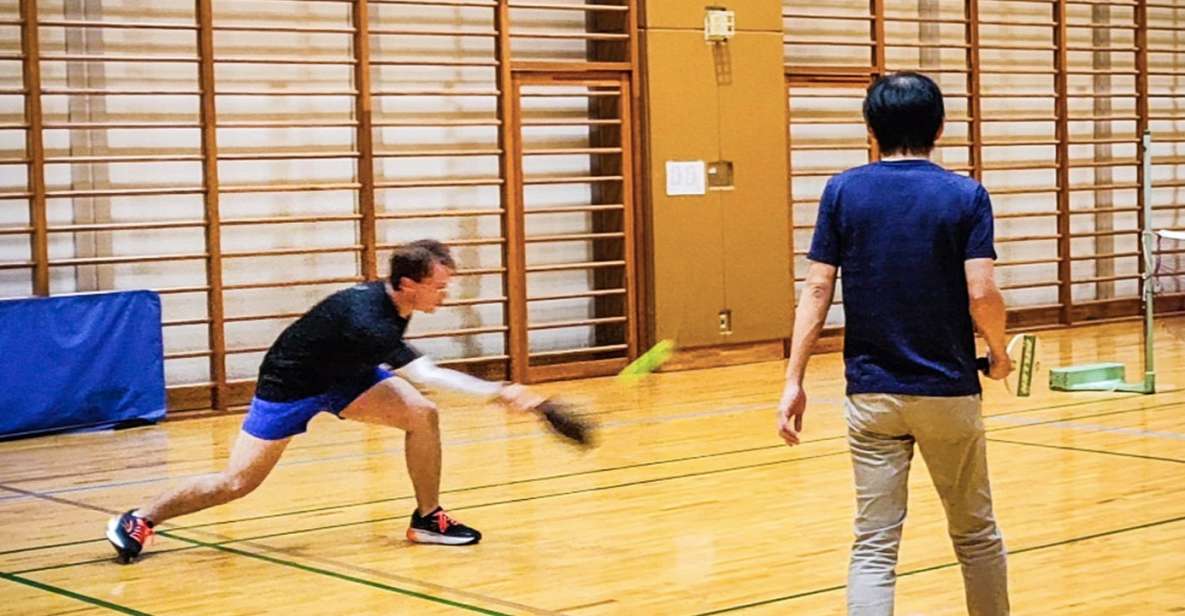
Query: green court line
(618, 468)
(527, 498)
(172, 532)
(223, 546)
(72, 595)
(1088, 450)
(1034, 548)
(333, 574)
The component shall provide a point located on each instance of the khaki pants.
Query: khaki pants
(882, 429)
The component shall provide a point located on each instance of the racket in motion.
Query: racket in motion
(562, 420)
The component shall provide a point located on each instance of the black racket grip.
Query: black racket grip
(983, 364)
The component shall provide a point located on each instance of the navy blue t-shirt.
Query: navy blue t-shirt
(900, 232)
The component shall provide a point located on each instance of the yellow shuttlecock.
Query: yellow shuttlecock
(648, 362)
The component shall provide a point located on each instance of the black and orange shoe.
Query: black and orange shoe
(437, 527)
(129, 534)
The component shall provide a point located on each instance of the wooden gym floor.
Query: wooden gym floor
(691, 505)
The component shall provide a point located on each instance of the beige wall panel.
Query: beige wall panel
(757, 217)
(686, 250)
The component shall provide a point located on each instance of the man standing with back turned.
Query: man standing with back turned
(915, 243)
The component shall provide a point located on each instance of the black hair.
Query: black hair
(905, 112)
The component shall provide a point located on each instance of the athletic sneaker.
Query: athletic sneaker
(437, 527)
(129, 534)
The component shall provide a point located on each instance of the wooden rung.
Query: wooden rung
(289, 220)
(570, 209)
(926, 45)
(787, 15)
(571, 122)
(479, 241)
(470, 331)
(127, 226)
(90, 23)
(586, 36)
(1112, 233)
(552, 94)
(1034, 118)
(126, 192)
(1103, 49)
(189, 354)
(81, 57)
(131, 158)
(1025, 262)
(1022, 23)
(434, 123)
(15, 195)
(1007, 215)
(116, 92)
(489, 4)
(829, 146)
(1002, 47)
(423, 32)
(1111, 255)
(124, 260)
(577, 237)
(285, 252)
(614, 8)
(249, 156)
(462, 361)
(926, 20)
(1030, 285)
(283, 60)
(568, 151)
(591, 179)
(480, 271)
(287, 124)
(439, 214)
(576, 295)
(184, 322)
(438, 183)
(576, 323)
(281, 188)
(1027, 238)
(435, 93)
(259, 92)
(422, 62)
(263, 317)
(1130, 186)
(15, 230)
(1105, 279)
(828, 42)
(250, 286)
(118, 125)
(289, 29)
(182, 290)
(11, 265)
(1024, 191)
(473, 301)
(436, 153)
(588, 350)
(560, 267)
(1105, 210)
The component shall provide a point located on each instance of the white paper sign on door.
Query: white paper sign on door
(686, 178)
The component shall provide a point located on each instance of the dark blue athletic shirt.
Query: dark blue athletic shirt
(900, 232)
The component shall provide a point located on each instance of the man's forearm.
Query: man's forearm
(990, 318)
(808, 324)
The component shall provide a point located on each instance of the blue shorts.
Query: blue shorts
(273, 421)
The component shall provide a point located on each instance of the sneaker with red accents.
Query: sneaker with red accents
(437, 527)
(129, 534)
